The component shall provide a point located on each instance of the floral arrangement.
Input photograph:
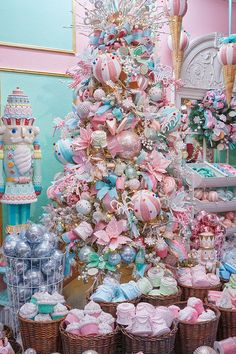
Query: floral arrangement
(214, 121)
(116, 200)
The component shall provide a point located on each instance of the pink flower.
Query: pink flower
(111, 236)
(83, 142)
(156, 164)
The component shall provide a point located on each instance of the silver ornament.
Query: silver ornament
(43, 250)
(90, 352)
(84, 252)
(50, 237)
(20, 266)
(204, 350)
(14, 279)
(22, 293)
(54, 278)
(57, 255)
(33, 277)
(49, 267)
(34, 233)
(83, 207)
(130, 172)
(9, 246)
(30, 351)
(23, 249)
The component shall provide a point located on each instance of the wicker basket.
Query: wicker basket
(163, 300)
(149, 345)
(192, 336)
(44, 336)
(200, 293)
(73, 344)
(227, 324)
(111, 307)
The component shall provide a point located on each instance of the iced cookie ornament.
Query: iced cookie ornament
(20, 165)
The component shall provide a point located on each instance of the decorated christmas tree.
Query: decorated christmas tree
(117, 200)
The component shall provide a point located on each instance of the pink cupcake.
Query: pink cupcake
(174, 310)
(73, 328)
(188, 314)
(92, 309)
(196, 304)
(89, 326)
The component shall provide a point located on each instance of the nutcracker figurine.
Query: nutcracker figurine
(20, 157)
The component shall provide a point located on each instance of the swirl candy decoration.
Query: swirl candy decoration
(176, 10)
(63, 151)
(106, 67)
(177, 56)
(170, 117)
(227, 57)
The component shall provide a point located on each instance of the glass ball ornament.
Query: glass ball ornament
(128, 254)
(90, 352)
(204, 350)
(9, 246)
(114, 259)
(130, 172)
(43, 250)
(22, 293)
(57, 255)
(83, 207)
(23, 249)
(49, 237)
(34, 233)
(99, 94)
(20, 266)
(14, 279)
(55, 277)
(49, 267)
(130, 144)
(33, 277)
(84, 252)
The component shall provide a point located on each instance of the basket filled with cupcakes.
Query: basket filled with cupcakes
(39, 322)
(159, 288)
(146, 328)
(195, 282)
(197, 325)
(225, 301)
(111, 293)
(90, 328)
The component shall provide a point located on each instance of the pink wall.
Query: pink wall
(203, 16)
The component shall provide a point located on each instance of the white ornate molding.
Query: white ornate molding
(201, 68)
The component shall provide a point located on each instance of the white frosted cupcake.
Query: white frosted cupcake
(46, 303)
(60, 311)
(104, 328)
(106, 318)
(58, 298)
(41, 317)
(92, 309)
(28, 311)
(73, 328)
(79, 314)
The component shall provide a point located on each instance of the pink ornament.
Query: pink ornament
(184, 41)
(146, 205)
(229, 215)
(106, 67)
(176, 7)
(169, 185)
(142, 82)
(213, 196)
(133, 184)
(198, 193)
(129, 143)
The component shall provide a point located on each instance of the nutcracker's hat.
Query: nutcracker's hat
(18, 110)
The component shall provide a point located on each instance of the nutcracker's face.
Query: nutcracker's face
(19, 134)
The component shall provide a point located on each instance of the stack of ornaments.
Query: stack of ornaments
(33, 262)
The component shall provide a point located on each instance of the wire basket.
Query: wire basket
(26, 276)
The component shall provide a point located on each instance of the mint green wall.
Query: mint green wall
(50, 97)
(39, 23)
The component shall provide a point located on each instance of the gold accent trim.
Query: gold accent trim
(34, 72)
(48, 49)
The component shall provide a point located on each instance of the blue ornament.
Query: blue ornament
(23, 249)
(34, 233)
(33, 277)
(49, 267)
(63, 151)
(9, 246)
(43, 250)
(114, 259)
(49, 237)
(128, 254)
(84, 252)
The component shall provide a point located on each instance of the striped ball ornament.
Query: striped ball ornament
(106, 67)
(146, 205)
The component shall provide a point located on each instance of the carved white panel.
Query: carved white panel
(201, 68)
